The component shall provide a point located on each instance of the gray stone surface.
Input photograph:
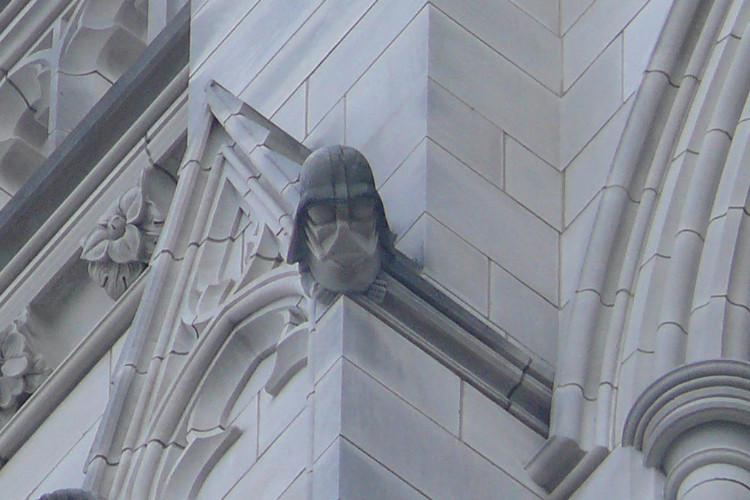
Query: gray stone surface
(549, 232)
(426, 456)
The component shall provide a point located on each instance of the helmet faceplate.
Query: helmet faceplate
(335, 174)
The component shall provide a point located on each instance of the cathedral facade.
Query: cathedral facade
(374, 249)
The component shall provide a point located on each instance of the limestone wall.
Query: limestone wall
(53, 457)
(490, 145)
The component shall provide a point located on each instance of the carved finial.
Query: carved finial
(340, 229)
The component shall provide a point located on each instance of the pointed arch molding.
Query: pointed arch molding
(222, 300)
(664, 279)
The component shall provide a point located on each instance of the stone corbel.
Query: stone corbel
(694, 425)
(119, 248)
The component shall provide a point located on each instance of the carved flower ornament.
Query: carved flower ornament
(121, 244)
(21, 370)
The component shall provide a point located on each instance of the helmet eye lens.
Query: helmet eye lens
(362, 209)
(357, 210)
(321, 213)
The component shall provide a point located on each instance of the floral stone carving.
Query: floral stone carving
(121, 244)
(22, 371)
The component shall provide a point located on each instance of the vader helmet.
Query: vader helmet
(335, 180)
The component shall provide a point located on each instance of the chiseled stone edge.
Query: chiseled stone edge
(91, 139)
(463, 343)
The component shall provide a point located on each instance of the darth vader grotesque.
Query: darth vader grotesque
(340, 230)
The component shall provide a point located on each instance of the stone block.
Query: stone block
(397, 76)
(730, 193)
(466, 134)
(593, 33)
(498, 436)
(397, 137)
(291, 115)
(454, 263)
(665, 216)
(533, 182)
(571, 11)
(411, 242)
(255, 40)
(492, 222)
(636, 373)
(524, 314)
(587, 173)
(327, 417)
(58, 435)
(303, 51)
(356, 52)
(211, 23)
(494, 87)
(344, 471)
(699, 117)
(530, 46)
(238, 459)
(330, 130)
(591, 101)
(327, 473)
(68, 472)
(404, 192)
(278, 467)
(327, 341)
(298, 489)
(401, 366)
(350, 332)
(276, 413)
(639, 40)
(707, 328)
(420, 452)
(547, 13)
(645, 309)
(362, 478)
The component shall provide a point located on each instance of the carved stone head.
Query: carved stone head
(340, 229)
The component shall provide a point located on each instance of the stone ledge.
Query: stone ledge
(502, 371)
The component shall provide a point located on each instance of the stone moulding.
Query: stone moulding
(467, 346)
(118, 119)
(696, 416)
(617, 275)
